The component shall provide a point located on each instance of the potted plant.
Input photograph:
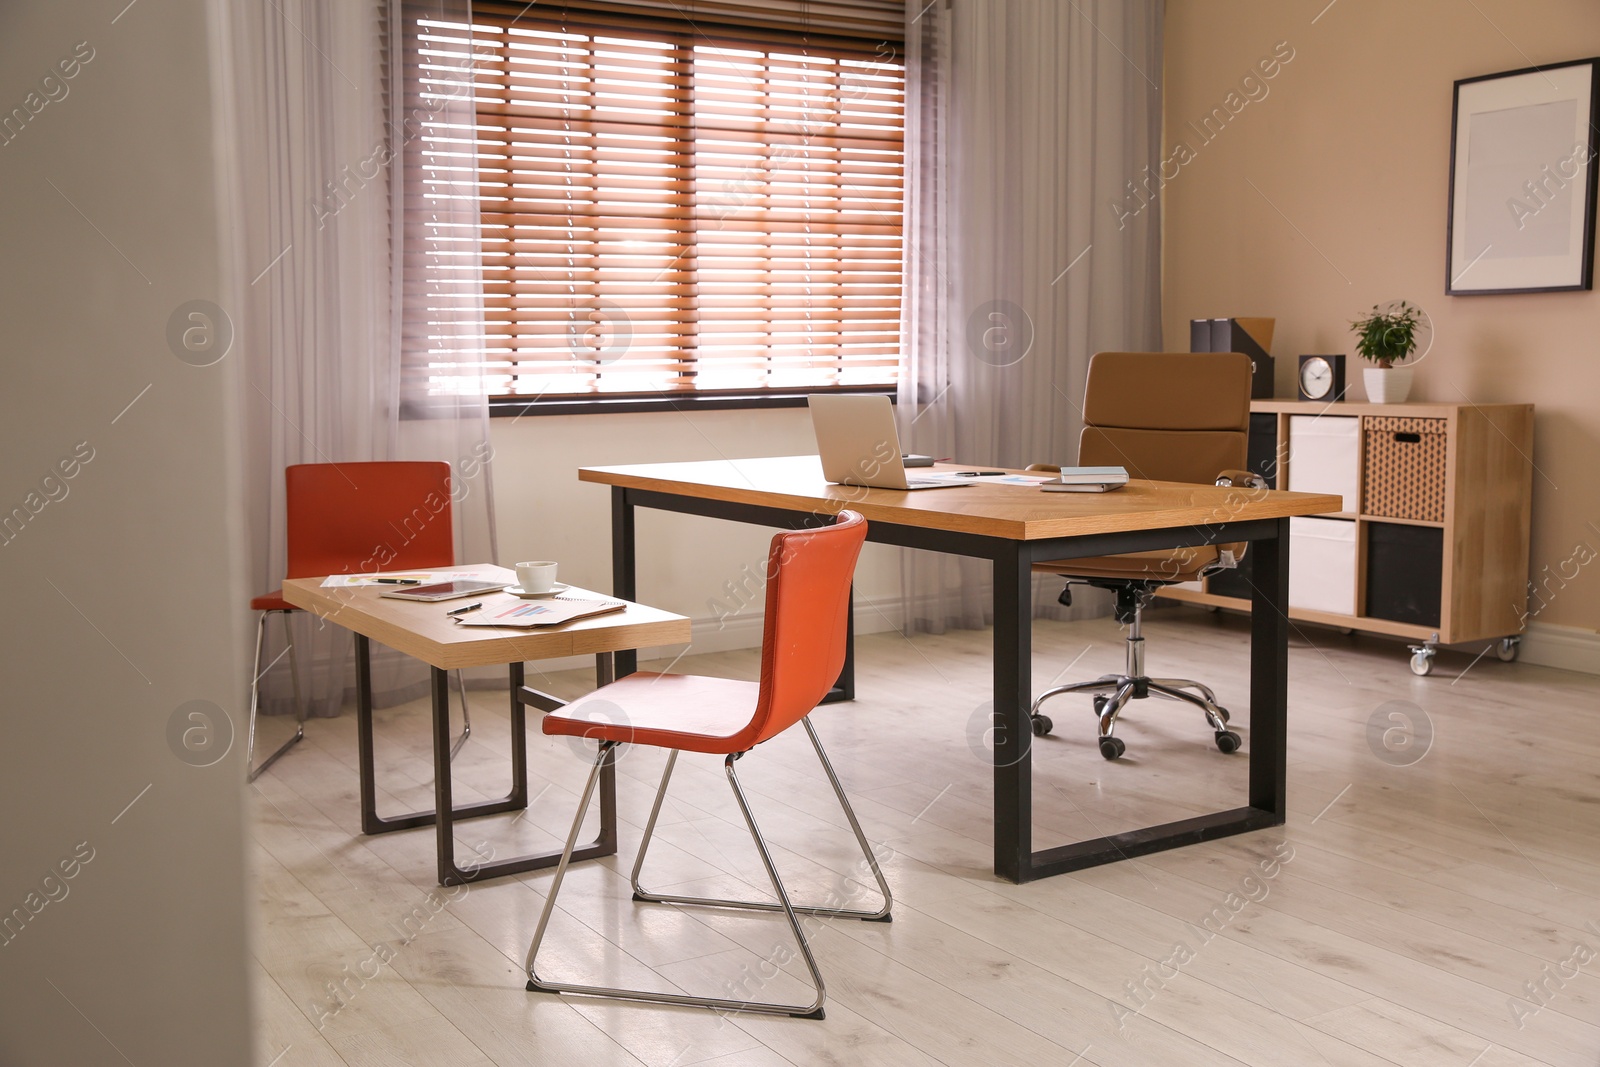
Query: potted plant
(1387, 337)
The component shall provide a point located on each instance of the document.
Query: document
(526, 614)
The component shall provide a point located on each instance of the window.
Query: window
(675, 208)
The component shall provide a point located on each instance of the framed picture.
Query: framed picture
(1522, 181)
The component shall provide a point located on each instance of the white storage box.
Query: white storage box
(1325, 456)
(1322, 565)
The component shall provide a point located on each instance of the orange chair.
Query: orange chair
(802, 651)
(353, 518)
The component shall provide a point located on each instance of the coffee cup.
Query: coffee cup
(536, 577)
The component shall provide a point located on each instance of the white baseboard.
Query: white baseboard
(872, 615)
(1567, 647)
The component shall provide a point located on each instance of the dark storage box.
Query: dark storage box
(1263, 460)
(1263, 447)
(1252, 336)
(1405, 572)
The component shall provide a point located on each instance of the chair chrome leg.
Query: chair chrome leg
(466, 716)
(253, 772)
(1106, 683)
(1113, 706)
(255, 696)
(1216, 721)
(539, 985)
(1185, 683)
(639, 892)
(561, 868)
(880, 915)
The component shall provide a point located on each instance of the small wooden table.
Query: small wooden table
(423, 631)
(1013, 527)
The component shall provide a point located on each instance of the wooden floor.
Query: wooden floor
(1441, 911)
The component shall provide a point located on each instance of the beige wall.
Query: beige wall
(122, 592)
(1351, 146)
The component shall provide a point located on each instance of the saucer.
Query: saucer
(517, 590)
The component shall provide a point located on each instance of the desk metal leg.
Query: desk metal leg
(1269, 676)
(624, 568)
(451, 874)
(845, 688)
(371, 821)
(1013, 732)
(1269, 694)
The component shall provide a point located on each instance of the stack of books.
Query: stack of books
(1087, 480)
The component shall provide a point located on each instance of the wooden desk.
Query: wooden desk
(424, 632)
(1014, 527)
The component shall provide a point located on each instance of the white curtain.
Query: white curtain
(341, 167)
(1026, 122)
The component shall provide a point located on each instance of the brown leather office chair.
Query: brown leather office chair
(1168, 417)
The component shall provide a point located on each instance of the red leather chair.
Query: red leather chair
(355, 518)
(802, 650)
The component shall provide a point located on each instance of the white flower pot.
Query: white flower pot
(1387, 385)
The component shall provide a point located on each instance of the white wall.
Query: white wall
(120, 593)
(685, 563)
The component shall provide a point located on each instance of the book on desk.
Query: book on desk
(1087, 480)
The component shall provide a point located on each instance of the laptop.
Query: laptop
(858, 444)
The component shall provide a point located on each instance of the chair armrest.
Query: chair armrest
(1045, 468)
(1247, 479)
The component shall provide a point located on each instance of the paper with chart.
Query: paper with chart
(526, 614)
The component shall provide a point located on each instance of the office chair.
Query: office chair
(352, 518)
(802, 651)
(1171, 417)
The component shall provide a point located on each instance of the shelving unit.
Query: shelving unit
(1481, 564)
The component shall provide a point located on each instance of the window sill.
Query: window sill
(513, 407)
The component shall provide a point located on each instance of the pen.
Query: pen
(979, 474)
(463, 611)
(398, 581)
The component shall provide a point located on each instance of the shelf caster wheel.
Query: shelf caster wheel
(1422, 663)
(1228, 742)
(1222, 713)
(1507, 649)
(1347, 630)
(1042, 725)
(1112, 747)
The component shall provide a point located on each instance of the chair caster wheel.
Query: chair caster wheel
(1042, 725)
(1099, 703)
(1112, 747)
(1228, 741)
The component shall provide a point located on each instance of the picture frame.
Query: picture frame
(1522, 181)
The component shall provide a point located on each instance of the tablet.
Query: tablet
(443, 590)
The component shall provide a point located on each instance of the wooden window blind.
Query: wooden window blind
(675, 206)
